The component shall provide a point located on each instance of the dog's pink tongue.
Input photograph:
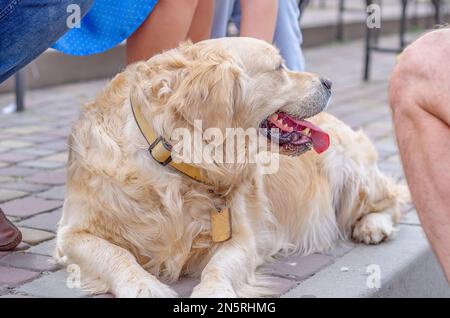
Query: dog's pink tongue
(320, 139)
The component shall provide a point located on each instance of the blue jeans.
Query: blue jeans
(287, 38)
(29, 27)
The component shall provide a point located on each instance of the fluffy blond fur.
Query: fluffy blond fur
(133, 225)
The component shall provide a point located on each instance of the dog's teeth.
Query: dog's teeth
(306, 131)
(274, 117)
(280, 121)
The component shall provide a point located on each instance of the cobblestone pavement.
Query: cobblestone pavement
(33, 152)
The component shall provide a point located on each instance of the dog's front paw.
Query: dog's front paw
(373, 228)
(147, 287)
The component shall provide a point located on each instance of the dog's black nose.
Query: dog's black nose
(326, 83)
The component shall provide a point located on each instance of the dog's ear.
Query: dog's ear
(197, 83)
(209, 92)
(158, 77)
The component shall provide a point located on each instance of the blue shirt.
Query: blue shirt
(107, 24)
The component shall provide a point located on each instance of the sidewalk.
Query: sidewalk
(33, 152)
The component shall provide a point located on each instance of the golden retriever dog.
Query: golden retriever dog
(133, 225)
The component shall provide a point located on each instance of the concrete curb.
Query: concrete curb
(407, 266)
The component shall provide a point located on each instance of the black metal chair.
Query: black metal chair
(372, 35)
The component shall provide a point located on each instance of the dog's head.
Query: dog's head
(232, 83)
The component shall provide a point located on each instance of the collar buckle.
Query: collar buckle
(160, 150)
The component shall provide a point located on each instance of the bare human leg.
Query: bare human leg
(259, 18)
(202, 21)
(170, 23)
(420, 101)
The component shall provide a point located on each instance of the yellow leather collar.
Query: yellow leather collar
(160, 151)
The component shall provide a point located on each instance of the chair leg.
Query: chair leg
(20, 91)
(368, 48)
(368, 55)
(340, 24)
(403, 24)
(437, 11)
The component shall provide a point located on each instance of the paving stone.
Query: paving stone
(15, 296)
(55, 193)
(32, 117)
(21, 247)
(185, 285)
(54, 178)
(410, 218)
(360, 119)
(3, 254)
(298, 267)
(6, 195)
(42, 164)
(4, 179)
(386, 147)
(64, 132)
(391, 169)
(13, 219)
(44, 221)
(53, 285)
(46, 248)
(56, 145)
(61, 157)
(12, 144)
(23, 130)
(383, 125)
(6, 136)
(4, 164)
(375, 134)
(38, 138)
(394, 160)
(17, 171)
(36, 151)
(14, 157)
(405, 208)
(28, 206)
(34, 237)
(11, 277)
(29, 261)
(25, 186)
(341, 249)
(104, 296)
(280, 286)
